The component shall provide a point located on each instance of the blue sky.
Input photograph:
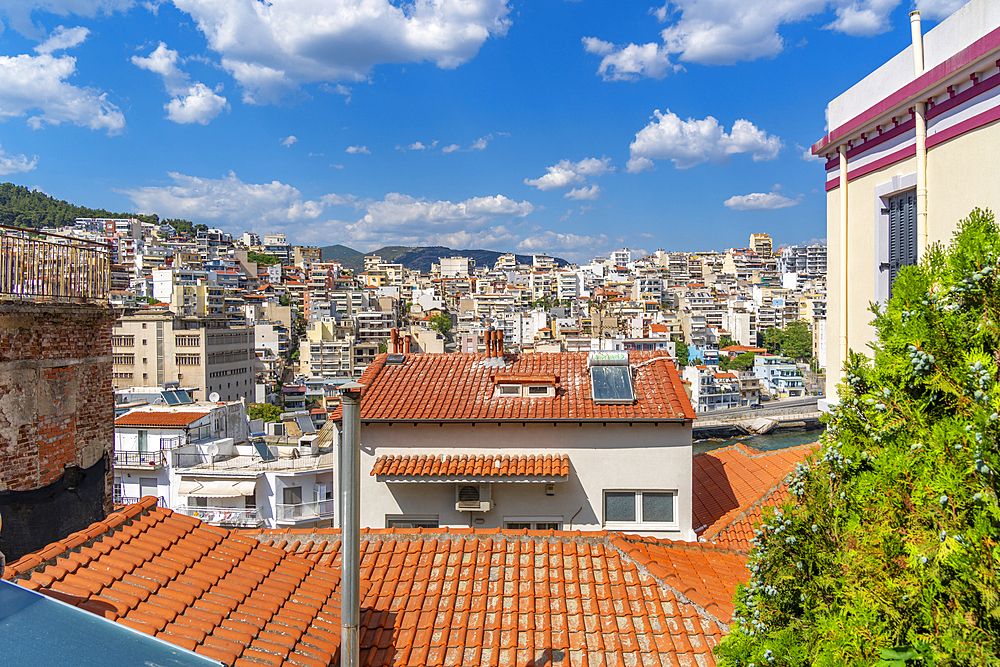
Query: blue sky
(567, 127)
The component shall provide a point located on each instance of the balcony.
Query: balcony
(304, 512)
(128, 500)
(143, 460)
(225, 516)
(41, 265)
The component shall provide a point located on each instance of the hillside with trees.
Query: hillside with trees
(31, 209)
(416, 258)
(887, 552)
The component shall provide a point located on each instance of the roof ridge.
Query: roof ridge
(47, 555)
(643, 567)
(744, 510)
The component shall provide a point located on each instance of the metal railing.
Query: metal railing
(304, 511)
(128, 500)
(224, 516)
(37, 264)
(140, 459)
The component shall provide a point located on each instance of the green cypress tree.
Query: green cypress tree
(889, 552)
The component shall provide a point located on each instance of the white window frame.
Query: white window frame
(898, 185)
(639, 523)
(404, 518)
(534, 521)
(508, 390)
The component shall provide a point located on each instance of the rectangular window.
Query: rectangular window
(655, 509)
(532, 522)
(902, 233)
(292, 495)
(411, 521)
(510, 390)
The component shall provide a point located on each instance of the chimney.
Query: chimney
(395, 341)
(498, 342)
(407, 341)
(350, 543)
(491, 348)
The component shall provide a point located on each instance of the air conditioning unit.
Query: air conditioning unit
(473, 498)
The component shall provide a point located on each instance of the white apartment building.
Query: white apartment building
(779, 376)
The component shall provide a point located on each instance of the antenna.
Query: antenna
(214, 397)
(212, 450)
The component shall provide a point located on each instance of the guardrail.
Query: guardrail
(140, 459)
(224, 516)
(128, 500)
(36, 264)
(304, 511)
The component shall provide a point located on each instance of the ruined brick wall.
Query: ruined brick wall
(56, 421)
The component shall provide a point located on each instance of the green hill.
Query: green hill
(21, 207)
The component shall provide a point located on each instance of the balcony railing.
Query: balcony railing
(140, 459)
(36, 264)
(305, 511)
(128, 500)
(224, 516)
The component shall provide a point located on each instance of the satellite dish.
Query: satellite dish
(214, 397)
(212, 450)
(158, 400)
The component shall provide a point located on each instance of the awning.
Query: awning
(217, 488)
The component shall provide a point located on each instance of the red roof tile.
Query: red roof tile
(158, 418)
(732, 484)
(432, 387)
(472, 466)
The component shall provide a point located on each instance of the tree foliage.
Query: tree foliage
(682, 354)
(794, 341)
(21, 207)
(265, 411)
(441, 322)
(262, 259)
(741, 362)
(888, 552)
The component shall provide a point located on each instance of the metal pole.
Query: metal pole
(350, 543)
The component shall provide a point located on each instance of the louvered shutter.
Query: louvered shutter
(902, 233)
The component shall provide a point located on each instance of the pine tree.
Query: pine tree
(888, 552)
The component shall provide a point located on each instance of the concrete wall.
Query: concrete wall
(602, 457)
(56, 421)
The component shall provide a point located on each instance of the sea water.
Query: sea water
(764, 443)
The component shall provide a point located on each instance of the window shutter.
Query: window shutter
(902, 233)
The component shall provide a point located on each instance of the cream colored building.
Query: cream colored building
(911, 150)
(154, 346)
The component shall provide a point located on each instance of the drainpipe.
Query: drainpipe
(350, 536)
(843, 262)
(920, 119)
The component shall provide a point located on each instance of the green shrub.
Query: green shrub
(888, 554)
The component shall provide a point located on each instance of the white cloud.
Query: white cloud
(864, 18)
(273, 48)
(479, 144)
(937, 10)
(417, 146)
(337, 166)
(358, 149)
(760, 201)
(808, 156)
(691, 142)
(450, 148)
(554, 243)
(630, 62)
(62, 39)
(593, 193)
(289, 140)
(230, 201)
(193, 102)
(13, 164)
(18, 12)
(723, 32)
(566, 174)
(29, 83)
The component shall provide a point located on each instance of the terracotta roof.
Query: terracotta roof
(204, 588)
(478, 597)
(431, 387)
(735, 530)
(431, 596)
(158, 418)
(731, 481)
(472, 466)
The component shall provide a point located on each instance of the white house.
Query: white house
(563, 441)
(779, 376)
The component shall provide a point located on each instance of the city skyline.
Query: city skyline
(571, 129)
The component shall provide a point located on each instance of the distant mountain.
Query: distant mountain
(419, 259)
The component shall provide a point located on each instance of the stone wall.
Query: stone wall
(56, 420)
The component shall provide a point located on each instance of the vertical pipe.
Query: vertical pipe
(920, 119)
(838, 372)
(350, 536)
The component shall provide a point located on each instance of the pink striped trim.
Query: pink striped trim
(881, 163)
(912, 90)
(964, 96)
(967, 125)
